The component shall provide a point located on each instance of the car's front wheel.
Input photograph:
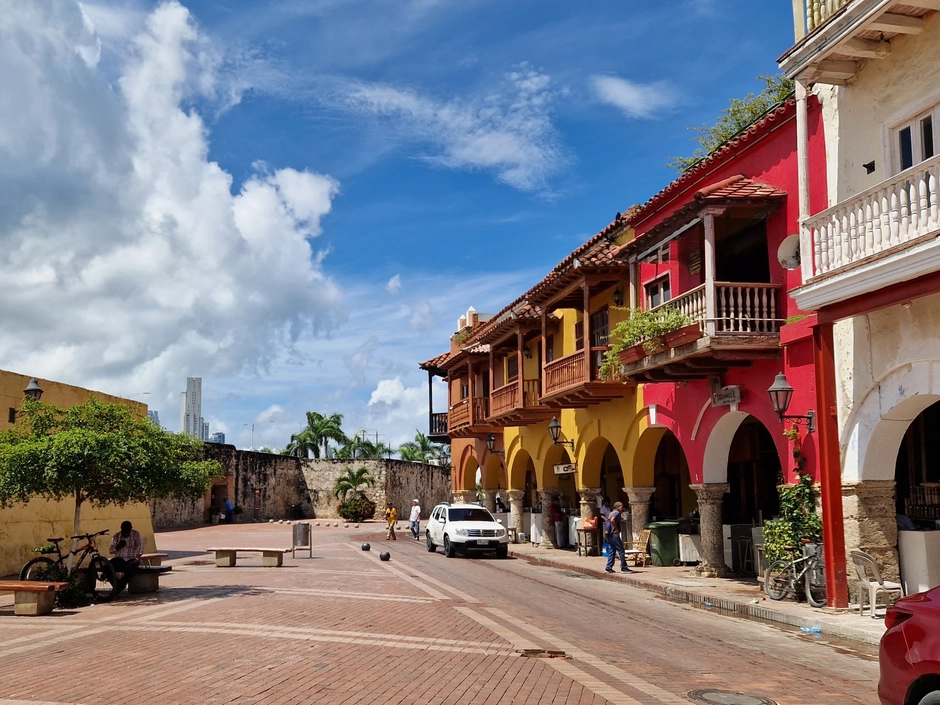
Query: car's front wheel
(449, 550)
(502, 550)
(431, 546)
(930, 699)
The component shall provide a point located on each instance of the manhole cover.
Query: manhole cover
(724, 697)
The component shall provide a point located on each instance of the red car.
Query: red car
(910, 651)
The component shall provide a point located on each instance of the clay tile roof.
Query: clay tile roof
(434, 362)
(738, 188)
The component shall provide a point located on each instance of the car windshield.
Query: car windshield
(479, 514)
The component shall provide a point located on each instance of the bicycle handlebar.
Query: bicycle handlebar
(90, 536)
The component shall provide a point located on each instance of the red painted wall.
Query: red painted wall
(684, 408)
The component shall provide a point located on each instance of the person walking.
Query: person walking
(612, 531)
(391, 516)
(415, 519)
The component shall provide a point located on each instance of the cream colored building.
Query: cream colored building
(871, 267)
(25, 526)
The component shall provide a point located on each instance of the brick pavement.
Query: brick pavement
(345, 627)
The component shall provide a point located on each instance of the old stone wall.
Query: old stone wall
(871, 526)
(177, 513)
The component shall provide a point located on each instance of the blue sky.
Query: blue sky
(296, 200)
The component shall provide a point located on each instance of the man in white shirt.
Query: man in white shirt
(415, 519)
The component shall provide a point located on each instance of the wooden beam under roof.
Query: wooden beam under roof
(921, 4)
(891, 22)
(865, 48)
(836, 69)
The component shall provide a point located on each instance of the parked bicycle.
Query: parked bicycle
(784, 577)
(100, 579)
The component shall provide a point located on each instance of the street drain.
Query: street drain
(724, 697)
(542, 653)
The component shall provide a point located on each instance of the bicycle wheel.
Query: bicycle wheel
(777, 580)
(37, 569)
(100, 579)
(815, 590)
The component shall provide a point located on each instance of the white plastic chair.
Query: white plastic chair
(866, 566)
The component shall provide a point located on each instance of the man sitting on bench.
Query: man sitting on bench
(127, 547)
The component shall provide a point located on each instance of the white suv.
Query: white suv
(463, 527)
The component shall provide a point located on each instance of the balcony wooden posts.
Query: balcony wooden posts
(710, 304)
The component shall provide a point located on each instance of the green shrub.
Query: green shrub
(798, 520)
(646, 327)
(357, 507)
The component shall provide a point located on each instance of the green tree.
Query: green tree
(421, 450)
(359, 446)
(302, 445)
(98, 453)
(351, 481)
(742, 113)
(321, 430)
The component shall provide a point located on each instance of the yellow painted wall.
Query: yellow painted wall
(25, 526)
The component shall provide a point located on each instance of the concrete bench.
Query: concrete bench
(270, 557)
(153, 558)
(146, 578)
(31, 597)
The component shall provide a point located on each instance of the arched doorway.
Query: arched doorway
(673, 497)
(917, 470)
(753, 475)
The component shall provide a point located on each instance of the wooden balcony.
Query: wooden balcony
(569, 384)
(745, 327)
(810, 14)
(437, 428)
(468, 418)
(507, 409)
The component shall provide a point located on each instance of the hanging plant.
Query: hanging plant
(646, 327)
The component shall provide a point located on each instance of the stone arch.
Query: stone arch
(468, 474)
(715, 462)
(518, 466)
(644, 457)
(494, 474)
(877, 426)
(554, 455)
(593, 458)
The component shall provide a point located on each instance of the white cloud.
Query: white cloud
(395, 406)
(635, 100)
(128, 261)
(508, 132)
(394, 284)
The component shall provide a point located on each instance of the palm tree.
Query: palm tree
(322, 430)
(350, 481)
(421, 450)
(359, 446)
(411, 451)
(302, 444)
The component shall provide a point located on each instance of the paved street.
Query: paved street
(347, 628)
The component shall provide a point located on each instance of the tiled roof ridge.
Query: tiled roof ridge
(742, 141)
(711, 188)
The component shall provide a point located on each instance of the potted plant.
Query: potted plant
(237, 511)
(683, 335)
(214, 513)
(644, 330)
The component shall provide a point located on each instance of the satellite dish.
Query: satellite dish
(788, 254)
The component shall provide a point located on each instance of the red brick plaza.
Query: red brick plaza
(344, 627)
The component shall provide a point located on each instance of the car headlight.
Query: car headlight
(461, 532)
(500, 532)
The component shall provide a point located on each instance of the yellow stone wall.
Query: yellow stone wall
(23, 527)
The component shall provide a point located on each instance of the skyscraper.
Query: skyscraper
(217, 437)
(191, 421)
(154, 416)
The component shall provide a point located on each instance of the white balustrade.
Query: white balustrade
(895, 212)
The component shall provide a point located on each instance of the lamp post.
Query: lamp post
(554, 428)
(491, 444)
(780, 394)
(33, 390)
(253, 431)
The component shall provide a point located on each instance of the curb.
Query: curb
(721, 605)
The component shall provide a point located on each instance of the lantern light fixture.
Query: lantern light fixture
(780, 394)
(618, 297)
(33, 390)
(554, 429)
(491, 445)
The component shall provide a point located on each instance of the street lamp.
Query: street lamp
(33, 390)
(780, 393)
(253, 431)
(554, 428)
(491, 444)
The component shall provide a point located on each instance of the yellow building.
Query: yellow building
(25, 526)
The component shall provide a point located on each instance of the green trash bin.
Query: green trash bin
(664, 542)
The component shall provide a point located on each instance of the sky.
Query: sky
(296, 200)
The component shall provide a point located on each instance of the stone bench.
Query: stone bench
(153, 558)
(31, 597)
(146, 578)
(270, 557)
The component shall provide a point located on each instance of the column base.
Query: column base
(710, 571)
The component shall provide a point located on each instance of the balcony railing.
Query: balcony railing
(438, 425)
(739, 307)
(810, 14)
(467, 412)
(564, 372)
(893, 213)
(506, 398)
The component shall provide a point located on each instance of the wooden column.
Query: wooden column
(634, 285)
(470, 395)
(544, 360)
(802, 159)
(431, 402)
(586, 331)
(830, 467)
(710, 304)
(520, 383)
(492, 364)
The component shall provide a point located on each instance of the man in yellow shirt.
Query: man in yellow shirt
(391, 516)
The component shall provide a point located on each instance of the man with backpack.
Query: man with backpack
(612, 534)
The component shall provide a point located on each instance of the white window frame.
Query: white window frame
(658, 281)
(909, 116)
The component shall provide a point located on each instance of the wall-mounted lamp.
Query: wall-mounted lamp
(527, 352)
(869, 166)
(33, 390)
(618, 297)
(780, 393)
(491, 444)
(554, 428)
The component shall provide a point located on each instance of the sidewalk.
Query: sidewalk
(742, 597)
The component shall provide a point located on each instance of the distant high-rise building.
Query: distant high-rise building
(191, 421)
(217, 438)
(154, 416)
